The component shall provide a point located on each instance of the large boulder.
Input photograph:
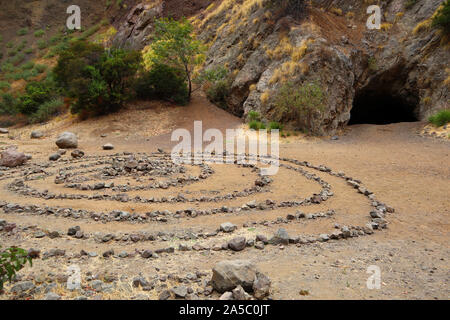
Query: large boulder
(67, 140)
(12, 158)
(228, 274)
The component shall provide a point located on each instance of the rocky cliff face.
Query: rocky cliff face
(264, 47)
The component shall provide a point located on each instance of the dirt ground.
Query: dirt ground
(403, 169)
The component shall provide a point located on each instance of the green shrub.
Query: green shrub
(39, 33)
(18, 59)
(47, 110)
(36, 94)
(441, 118)
(40, 68)
(28, 65)
(163, 82)
(299, 103)
(216, 84)
(8, 104)
(42, 44)
(256, 125)
(1, 38)
(22, 32)
(4, 85)
(10, 44)
(442, 19)
(254, 115)
(219, 91)
(12, 260)
(28, 50)
(275, 125)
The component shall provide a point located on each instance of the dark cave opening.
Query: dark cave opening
(371, 107)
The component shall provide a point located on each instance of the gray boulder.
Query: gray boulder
(67, 140)
(261, 286)
(227, 227)
(280, 237)
(228, 274)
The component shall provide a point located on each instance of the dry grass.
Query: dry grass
(426, 24)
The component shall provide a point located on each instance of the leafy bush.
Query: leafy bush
(28, 65)
(98, 79)
(219, 91)
(299, 103)
(256, 125)
(36, 94)
(42, 44)
(216, 84)
(254, 115)
(12, 260)
(275, 126)
(442, 19)
(47, 110)
(162, 82)
(441, 118)
(8, 104)
(39, 33)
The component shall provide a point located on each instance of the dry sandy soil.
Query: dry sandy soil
(403, 169)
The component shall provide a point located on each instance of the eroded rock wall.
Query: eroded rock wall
(263, 47)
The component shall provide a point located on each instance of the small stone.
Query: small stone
(36, 134)
(108, 146)
(77, 154)
(227, 227)
(261, 286)
(237, 244)
(226, 296)
(52, 296)
(54, 157)
(180, 291)
(164, 295)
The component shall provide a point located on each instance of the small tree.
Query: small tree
(12, 260)
(173, 44)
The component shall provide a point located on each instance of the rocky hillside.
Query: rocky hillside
(265, 45)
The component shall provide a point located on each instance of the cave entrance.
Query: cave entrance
(381, 108)
(386, 98)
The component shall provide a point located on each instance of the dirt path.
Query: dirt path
(403, 170)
